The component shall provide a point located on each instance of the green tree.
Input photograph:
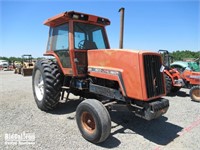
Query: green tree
(180, 55)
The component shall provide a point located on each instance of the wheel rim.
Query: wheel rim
(39, 85)
(196, 94)
(88, 122)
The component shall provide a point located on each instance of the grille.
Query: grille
(153, 76)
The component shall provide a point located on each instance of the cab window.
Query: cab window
(60, 38)
(88, 36)
(59, 42)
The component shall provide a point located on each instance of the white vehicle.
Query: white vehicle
(4, 64)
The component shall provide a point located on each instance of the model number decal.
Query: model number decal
(112, 72)
(106, 71)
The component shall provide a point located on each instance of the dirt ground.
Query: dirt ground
(179, 128)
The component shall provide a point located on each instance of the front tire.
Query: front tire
(46, 84)
(168, 83)
(175, 89)
(93, 121)
(195, 93)
(22, 72)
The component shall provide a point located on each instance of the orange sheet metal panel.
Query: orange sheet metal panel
(66, 16)
(192, 77)
(56, 20)
(124, 60)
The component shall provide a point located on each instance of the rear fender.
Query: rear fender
(65, 71)
(168, 73)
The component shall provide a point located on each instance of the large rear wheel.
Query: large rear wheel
(195, 93)
(46, 83)
(93, 121)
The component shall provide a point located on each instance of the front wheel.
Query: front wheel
(195, 93)
(46, 83)
(175, 89)
(93, 121)
(168, 83)
(22, 72)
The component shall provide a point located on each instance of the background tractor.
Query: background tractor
(26, 66)
(17, 65)
(173, 80)
(114, 79)
(191, 76)
(182, 65)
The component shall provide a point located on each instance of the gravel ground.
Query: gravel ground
(179, 128)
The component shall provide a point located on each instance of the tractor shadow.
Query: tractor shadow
(110, 142)
(195, 101)
(179, 93)
(158, 131)
(66, 107)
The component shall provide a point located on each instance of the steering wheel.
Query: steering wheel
(81, 44)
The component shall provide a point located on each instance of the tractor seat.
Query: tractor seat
(90, 45)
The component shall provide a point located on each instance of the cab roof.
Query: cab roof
(72, 15)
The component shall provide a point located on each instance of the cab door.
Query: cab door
(86, 37)
(59, 47)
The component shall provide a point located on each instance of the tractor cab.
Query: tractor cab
(27, 58)
(166, 58)
(172, 77)
(71, 35)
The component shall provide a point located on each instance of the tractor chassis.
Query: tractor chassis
(113, 100)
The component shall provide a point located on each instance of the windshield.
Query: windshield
(88, 36)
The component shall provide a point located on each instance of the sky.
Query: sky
(149, 24)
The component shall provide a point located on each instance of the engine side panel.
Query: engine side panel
(137, 72)
(110, 64)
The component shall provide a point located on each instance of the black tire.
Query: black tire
(15, 71)
(175, 89)
(22, 71)
(19, 71)
(93, 120)
(168, 83)
(195, 93)
(51, 77)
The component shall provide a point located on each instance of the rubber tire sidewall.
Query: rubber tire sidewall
(101, 118)
(39, 67)
(191, 93)
(50, 98)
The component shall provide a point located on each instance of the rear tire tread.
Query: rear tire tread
(168, 83)
(52, 84)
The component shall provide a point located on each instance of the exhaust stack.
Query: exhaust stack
(121, 10)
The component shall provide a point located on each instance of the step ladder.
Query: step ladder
(65, 89)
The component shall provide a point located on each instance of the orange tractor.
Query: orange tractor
(191, 76)
(192, 81)
(105, 78)
(173, 79)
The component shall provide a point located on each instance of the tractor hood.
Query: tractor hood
(128, 68)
